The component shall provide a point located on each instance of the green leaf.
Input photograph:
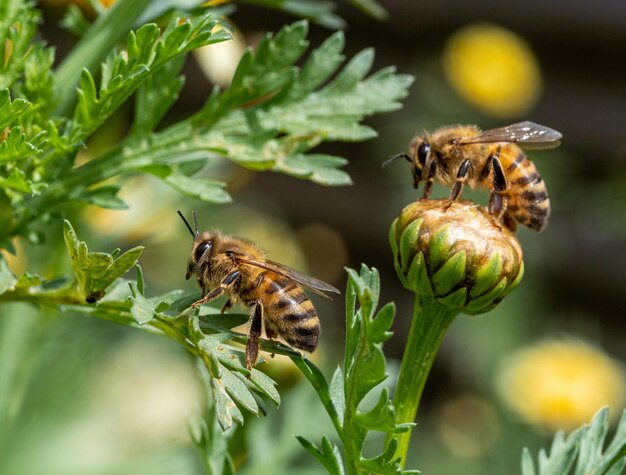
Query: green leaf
(585, 448)
(156, 96)
(238, 390)
(265, 385)
(226, 410)
(94, 46)
(329, 455)
(17, 181)
(141, 308)
(18, 27)
(125, 71)
(364, 369)
(318, 168)
(16, 147)
(227, 367)
(10, 111)
(210, 191)
(95, 271)
(74, 21)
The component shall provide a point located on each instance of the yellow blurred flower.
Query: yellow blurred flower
(492, 68)
(560, 384)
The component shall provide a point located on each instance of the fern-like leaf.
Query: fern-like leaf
(583, 452)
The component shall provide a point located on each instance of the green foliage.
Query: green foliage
(280, 105)
(97, 290)
(361, 373)
(271, 116)
(583, 452)
(94, 272)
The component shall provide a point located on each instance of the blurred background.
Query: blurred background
(104, 399)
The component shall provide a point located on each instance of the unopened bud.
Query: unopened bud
(457, 253)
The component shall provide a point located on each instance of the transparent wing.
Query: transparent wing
(312, 283)
(526, 134)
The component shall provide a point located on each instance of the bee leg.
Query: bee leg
(432, 171)
(461, 179)
(227, 305)
(225, 284)
(497, 200)
(252, 347)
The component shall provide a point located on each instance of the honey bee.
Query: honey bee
(463, 154)
(238, 268)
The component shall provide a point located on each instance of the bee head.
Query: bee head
(202, 245)
(420, 156)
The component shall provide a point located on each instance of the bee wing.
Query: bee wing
(526, 134)
(312, 283)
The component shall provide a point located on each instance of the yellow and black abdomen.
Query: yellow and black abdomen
(289, 312)
(527, 195)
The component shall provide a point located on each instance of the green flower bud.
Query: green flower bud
(458, 254)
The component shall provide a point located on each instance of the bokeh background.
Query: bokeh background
(94, 398)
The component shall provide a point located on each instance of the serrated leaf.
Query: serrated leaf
(142, 309)
(239, 391)
(16, 147)
(329, 455)
(124, 72)
(583, 447)
(10, 110)
(95, 271)
(74, 21)
(380, 325)
(17, 181)
(318, 168)
(225, 408)
(156, 96)
(383, 464)
(210, 191)
(265, 384)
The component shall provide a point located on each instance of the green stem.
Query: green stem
(430, 322)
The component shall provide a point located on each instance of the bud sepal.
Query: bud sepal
(456, 253)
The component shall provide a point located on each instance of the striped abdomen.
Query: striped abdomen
(527, 196)
(288, 312)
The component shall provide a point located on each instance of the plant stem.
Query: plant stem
(430, 322)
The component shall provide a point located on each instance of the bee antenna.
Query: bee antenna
(393, 158)
(187, 223)
(195, 221)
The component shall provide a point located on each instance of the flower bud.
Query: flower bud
(457, 253)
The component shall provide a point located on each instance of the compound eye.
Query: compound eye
(422, 153)
(202, 248)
